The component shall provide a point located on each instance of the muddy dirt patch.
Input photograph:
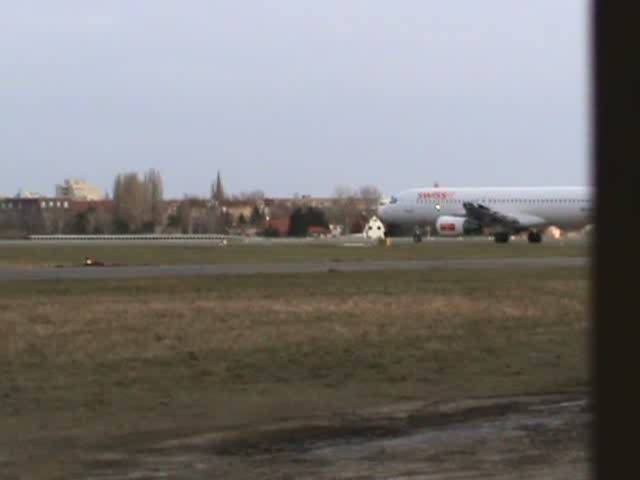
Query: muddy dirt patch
(539, 437)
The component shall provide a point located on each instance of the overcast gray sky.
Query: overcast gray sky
(294, 96)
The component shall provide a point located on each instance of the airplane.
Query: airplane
(497, 211)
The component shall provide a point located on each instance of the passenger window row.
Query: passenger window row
(506, 200)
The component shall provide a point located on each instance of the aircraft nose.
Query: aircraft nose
(381, 210)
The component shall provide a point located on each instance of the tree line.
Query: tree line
(138, 206)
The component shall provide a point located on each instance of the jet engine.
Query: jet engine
(455, 226)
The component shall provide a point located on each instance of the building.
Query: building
(238, 209)
(278, 226)
(54, 215)
(192, 215)
(26, 216)
(374, 229)
(81, 206)
(318, 231)
(28, 194)
(78, 189)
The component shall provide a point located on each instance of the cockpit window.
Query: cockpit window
(393, 200)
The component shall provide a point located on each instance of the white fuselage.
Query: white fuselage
(568, 208)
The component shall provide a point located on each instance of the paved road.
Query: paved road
(348, 240)
(87, 273)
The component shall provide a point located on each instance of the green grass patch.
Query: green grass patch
(21, 255)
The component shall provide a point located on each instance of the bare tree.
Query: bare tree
(125, 200)
(138, 202)
(345, 209)
(153, 181)
(184, 214)
(103, 221)
(370, 192)
(370, 196)
(343, 191)
(197, 215)
(351, 207)
(250, 196)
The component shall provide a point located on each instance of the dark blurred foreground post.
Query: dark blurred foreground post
(616, 295)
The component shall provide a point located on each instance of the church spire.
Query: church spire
(217, 193)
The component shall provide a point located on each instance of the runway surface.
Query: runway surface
(124, 272)
(220, 240)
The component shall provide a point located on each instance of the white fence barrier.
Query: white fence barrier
(135, 237)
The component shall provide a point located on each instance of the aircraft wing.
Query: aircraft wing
(490, 218)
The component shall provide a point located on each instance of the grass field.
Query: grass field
(90, 364)
(21, 255)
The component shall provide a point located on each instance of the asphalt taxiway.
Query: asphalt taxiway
(132, 272)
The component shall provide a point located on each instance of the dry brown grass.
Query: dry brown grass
(92, 363)
(123, 328)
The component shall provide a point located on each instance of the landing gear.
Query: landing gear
(501, 237)
(534, 237)
(417, 238)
